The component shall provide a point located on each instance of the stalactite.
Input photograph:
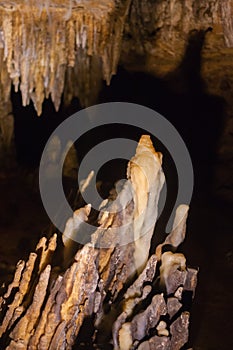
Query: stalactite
(42, 41)
(48, 45)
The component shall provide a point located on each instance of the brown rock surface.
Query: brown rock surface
(155, 41)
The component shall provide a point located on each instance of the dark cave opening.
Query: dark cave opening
(180, 97)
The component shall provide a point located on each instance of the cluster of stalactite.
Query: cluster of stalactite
(43, 43)
(109, 293)
(50, 47)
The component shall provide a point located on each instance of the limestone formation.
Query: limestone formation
(47, 46)
(100, 290)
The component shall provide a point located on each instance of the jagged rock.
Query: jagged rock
(156, 343)
(172, 271)
(179, 331)
(46, 306)
(140, 326)
(173, 306)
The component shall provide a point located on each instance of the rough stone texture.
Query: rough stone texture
(159, 30)
(156, 343)
(49, 302)
(156, 37)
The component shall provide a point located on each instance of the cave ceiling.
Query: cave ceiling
(56, 48)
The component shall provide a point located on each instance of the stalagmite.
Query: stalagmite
(51, 305)
(145, 172)
(177, 235)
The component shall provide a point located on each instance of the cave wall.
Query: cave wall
(156, 37)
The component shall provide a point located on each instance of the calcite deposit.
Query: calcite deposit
(105, 289)
(46, 42)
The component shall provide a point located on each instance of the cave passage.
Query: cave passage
(181, 97)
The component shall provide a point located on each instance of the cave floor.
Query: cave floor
(208, 245)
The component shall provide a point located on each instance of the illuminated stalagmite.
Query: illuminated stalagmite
(113, 291)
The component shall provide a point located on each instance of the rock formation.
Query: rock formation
(111, 294)
(46, 42)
